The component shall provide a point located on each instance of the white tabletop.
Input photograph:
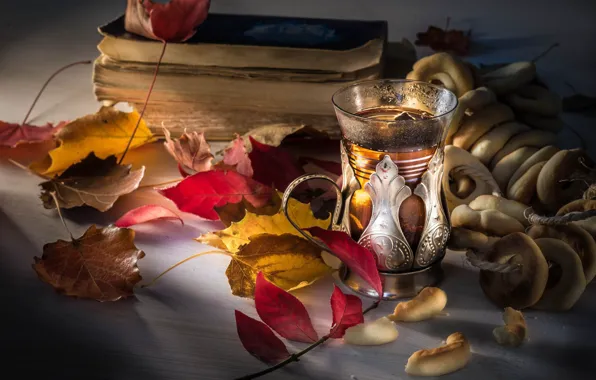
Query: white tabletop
(183, 327)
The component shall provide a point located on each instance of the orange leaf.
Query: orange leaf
(100, 265)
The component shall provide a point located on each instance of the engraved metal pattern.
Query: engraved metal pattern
(349, 186)
(436, 226)
(383, 235)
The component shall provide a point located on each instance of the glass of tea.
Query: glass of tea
(391, 201)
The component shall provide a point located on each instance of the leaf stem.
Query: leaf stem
(182, 262)
(21, 166)
(132, 136)
(295, 357)
(541, 55)
(48, 82)
(162, 183)
(55, 198)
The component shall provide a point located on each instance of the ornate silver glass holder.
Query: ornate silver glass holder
(404, 271)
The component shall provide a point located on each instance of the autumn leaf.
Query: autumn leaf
(238, 234)
(259, 340)
(93, 182)
(273, 165)
(100, 265)
(357, 258)
(331, 167)
(283, 312)
(175, 21)
(236, 157)
(347, 312)
(286, 260)
(456, 41)
(12, 134)
(191, 151)
(235, 212)
(200, 193)
(105, 133)
(144, 214)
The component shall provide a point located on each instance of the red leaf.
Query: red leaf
(438, 39)
(237, 156)
(283, 312)
(347, 312)
(259, 340)
(201, 192)
(359, 259)
(273, 165)
(145, 214)
(330, 166)
(12, 134)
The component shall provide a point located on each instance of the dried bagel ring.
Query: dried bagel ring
(580, 240)
(494, 140)
(544, 154)
(562, 289)
(580, 205)
(524, 188)
(521, 288)
(473, 127)
(490, 222)
(506, 167)
(445, 68)
(456, 158)
(509, 207)
(551, 124)
(477, 99)
(509, 78)
(535, 99)
(533, 137)
(461, 239)
(552, 189)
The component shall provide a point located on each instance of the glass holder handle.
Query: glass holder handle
(336, 211)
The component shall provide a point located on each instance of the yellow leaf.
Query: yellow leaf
(106, 133)
(288, 261)
(238, 234)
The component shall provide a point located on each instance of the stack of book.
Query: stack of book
(239, 72)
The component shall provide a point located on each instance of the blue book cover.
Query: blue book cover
(272, 31)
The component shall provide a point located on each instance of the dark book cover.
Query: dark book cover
(273, 31)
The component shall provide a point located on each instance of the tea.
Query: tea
(411, 164)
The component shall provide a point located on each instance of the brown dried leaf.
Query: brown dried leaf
(191, 150)
(288, 261)
(100, 265)
(450, 40)
(93, 182)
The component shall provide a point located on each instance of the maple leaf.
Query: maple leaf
(175, 21)
(105, 133)
(286, 260)
(235, 212)
(236, 157)
(100, 265)
(191, 151)
(93, 182)
(456, 41)
(200, 193)
(238, 234)
(357, 258)
(144, 214)
(259, 340)
(12, 134)
(347, 312)
(283, 312)
(273, 165)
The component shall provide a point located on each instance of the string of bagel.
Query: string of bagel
(522, 209)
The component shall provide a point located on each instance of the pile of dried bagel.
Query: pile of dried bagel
(502, 165)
